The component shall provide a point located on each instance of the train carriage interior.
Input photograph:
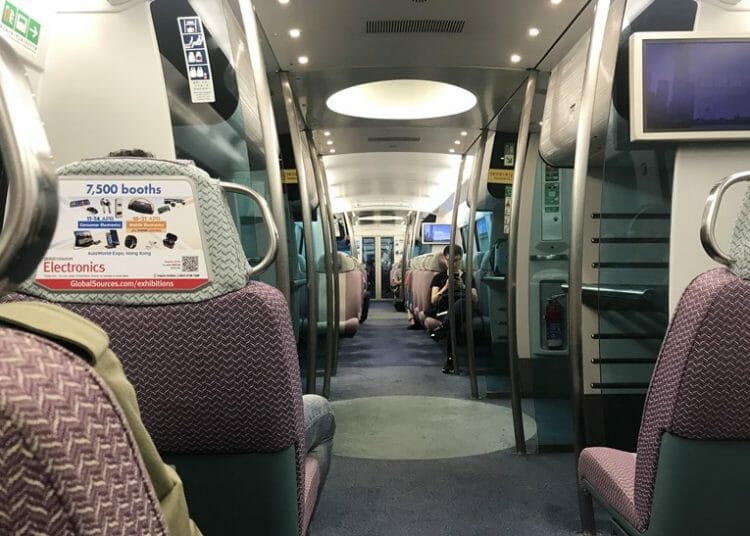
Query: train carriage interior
(393, 267)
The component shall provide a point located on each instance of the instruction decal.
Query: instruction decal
(20, 27)
(197, 64)
(125, 234)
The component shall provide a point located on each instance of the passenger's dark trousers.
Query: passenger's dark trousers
(457, 318)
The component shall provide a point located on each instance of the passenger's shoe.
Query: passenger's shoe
(413, 326)
(438, 334)
(448, 368)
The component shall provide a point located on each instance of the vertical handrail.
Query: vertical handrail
(328, 261)
(270, 144)
(451, 284)
(518, 171)
(471, 200)
(32, 204)
(336, 266)
(298, 146)
(577, 215)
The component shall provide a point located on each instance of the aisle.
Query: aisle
(415, 456)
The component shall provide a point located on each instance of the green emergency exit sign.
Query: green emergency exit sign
(23, 28)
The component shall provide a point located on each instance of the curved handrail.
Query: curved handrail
(272, 231)
(710, 212)
(32, 204)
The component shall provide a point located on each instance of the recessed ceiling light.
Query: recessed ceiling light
(329, 142)
(332, 151)
(327, 133)
(464, 133)
(553, 1)
(457, 142)
(533, 32)
(515, 58)
(295, 33)
(302, 60)
(283, 1)
(451, 150)
(402, 99)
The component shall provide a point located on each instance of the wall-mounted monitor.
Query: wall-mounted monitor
(689, 86)
(436, 233)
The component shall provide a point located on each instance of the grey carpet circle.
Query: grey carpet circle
(422, 428)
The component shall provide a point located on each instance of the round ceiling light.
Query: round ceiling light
(402, 99)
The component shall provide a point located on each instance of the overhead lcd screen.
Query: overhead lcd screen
(696, 85)
(436, 233)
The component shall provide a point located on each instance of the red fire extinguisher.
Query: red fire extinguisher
(553, 323)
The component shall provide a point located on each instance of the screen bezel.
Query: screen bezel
(637, 131)
(434, 242)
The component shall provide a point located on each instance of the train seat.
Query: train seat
(350, 294)
(68, 464)
(216, 372)
(426, 267)
(690, 471)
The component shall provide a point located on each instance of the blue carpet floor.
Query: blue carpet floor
(491, 494)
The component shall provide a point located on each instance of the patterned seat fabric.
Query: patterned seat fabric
(68, 464)
(699, 389)
(220, 376)
(612, 473)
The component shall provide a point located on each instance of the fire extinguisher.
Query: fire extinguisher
(553, 323)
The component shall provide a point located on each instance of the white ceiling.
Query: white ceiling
(404, 165)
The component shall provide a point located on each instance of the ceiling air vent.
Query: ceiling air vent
(415, 26)
(395, 139)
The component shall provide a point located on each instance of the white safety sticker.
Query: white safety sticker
(125, 234)
(197, 63)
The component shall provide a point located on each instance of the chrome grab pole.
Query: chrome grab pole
(511, 277)
(32, 203)
(270, 144)
(328, 259)
(577, 216)
(271, 229)
(710, 212)
(336, 266)
(471, 199)
(451, 272)
(301, 153)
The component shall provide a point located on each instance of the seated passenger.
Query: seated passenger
(439, 298)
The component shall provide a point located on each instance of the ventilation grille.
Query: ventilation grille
(395, 139)
(419, 1)
(415, 26)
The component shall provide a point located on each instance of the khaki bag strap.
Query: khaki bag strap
(57, 324)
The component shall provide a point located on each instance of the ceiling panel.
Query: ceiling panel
(402, 165)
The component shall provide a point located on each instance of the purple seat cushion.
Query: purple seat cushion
(612, 473)
(700, 387)
(68, 464)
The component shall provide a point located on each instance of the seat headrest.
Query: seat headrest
(172, 229)
(434, 262)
